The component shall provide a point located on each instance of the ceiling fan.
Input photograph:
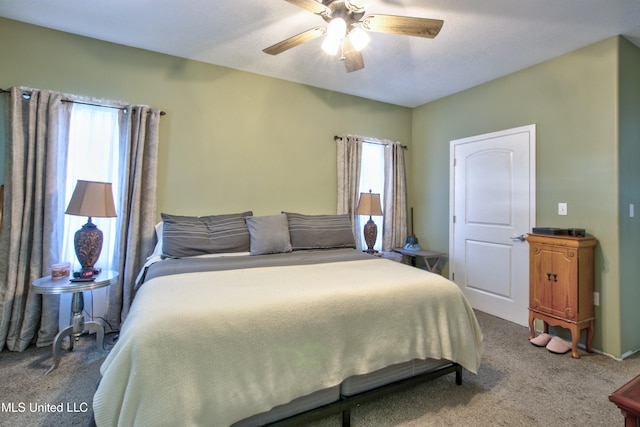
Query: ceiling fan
(344, 32)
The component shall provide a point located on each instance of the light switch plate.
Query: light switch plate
(562, 208)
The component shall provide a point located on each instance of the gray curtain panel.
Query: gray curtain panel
(349, 157)
(394, 232)
(137, 208)
(32, 227)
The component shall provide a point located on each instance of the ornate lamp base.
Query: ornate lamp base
(370, 235)
(88, 245)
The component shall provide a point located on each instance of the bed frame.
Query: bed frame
(346, 403)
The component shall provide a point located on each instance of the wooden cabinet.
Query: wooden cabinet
(561, 285)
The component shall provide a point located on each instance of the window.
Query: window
(372, 178)
(93, 156)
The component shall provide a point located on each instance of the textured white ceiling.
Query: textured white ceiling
(480, 40)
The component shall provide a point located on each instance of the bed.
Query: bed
(293, 323)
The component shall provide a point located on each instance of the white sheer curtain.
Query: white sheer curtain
(372, 178)
(93, 156)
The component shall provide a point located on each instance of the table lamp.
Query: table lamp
(369, 204)
(90, 199)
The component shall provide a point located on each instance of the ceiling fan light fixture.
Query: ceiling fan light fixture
(337, 28)
(331, 45)
(346, 24)
(336, 31)
(359, 38)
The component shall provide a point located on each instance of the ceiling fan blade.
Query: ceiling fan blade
(405, 25)
(352, 58)
(296, 40)
(311, 6)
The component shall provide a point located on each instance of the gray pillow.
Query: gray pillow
(320, 231)
(185, 236)
(269, 234)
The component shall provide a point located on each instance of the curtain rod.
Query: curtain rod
(162, 113)
(339, 138)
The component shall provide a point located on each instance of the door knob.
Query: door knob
(521, 237)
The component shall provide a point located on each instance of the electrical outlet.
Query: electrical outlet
(562, 208)
(596, 298)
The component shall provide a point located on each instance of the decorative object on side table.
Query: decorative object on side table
(60, 270)
(369, 204)
(90, 199)
(412, 241)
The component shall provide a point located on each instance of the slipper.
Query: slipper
(541, 340)
(558, 345)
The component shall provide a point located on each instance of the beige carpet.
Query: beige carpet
(517, 385)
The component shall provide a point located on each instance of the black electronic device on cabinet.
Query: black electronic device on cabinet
(550, 231)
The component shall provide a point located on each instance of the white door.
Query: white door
(492, 204)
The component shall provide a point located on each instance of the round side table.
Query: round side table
(47, 285)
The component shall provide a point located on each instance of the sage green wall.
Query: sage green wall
(3, 135)
(230, 140)
(573, 100)
(629, 160)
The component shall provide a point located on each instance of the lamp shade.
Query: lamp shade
(92, 199)
(369, 204)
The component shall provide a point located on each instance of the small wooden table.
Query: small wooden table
(627, 398)
(431, 258)
(47, 285)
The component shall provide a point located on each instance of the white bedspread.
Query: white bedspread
(212, 348)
